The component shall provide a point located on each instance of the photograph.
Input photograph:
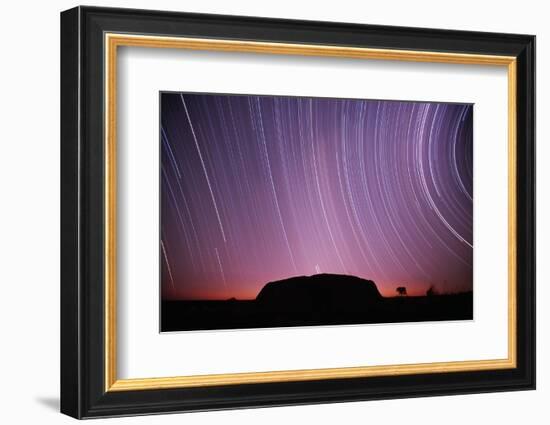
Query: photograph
(262, 210)
(279, 211)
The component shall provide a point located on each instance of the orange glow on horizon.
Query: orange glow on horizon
(387, 290)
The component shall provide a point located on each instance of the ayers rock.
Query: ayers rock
(321, 293)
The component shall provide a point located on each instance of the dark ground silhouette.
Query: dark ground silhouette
(323, 299)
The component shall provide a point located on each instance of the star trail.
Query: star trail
(262, 188)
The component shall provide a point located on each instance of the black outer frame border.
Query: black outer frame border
(82, 219)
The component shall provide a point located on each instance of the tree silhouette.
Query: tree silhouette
(431, 291)
(401, 290)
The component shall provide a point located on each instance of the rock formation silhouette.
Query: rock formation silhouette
(321, 293)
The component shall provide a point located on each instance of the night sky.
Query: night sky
(262, 188)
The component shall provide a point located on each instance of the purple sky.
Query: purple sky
(262, 188)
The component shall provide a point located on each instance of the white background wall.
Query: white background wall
(29, 209)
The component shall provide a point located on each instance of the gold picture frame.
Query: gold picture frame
(114, 41)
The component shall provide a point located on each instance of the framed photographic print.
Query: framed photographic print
(262, 212)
